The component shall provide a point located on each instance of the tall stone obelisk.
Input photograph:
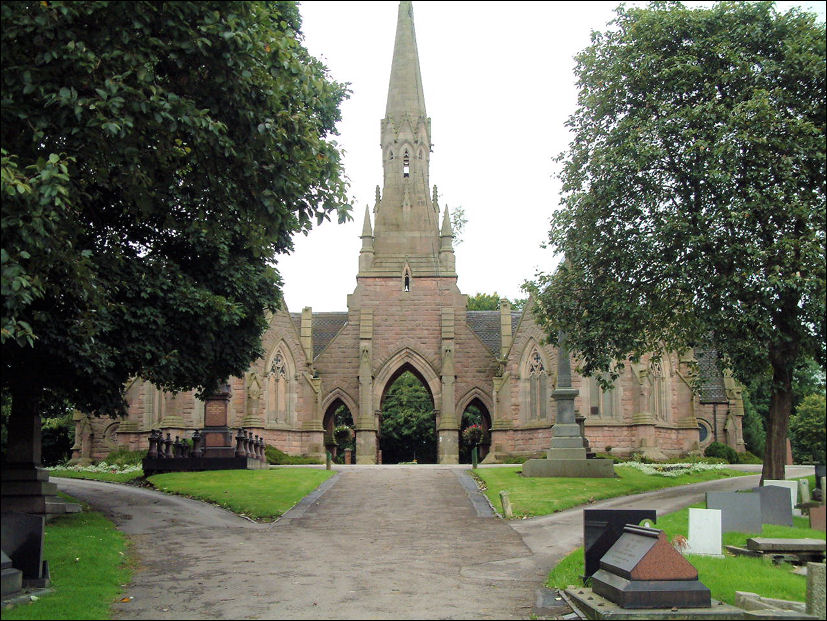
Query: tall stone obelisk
(567, 455)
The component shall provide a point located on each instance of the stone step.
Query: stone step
(11, 581)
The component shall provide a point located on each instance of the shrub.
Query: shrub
(718, 449)
(280, 458)
(122, 456)
(748, 458)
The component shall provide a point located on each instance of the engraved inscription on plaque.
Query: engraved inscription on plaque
(215, 413)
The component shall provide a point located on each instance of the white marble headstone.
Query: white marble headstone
(704, 532)
(793, 487)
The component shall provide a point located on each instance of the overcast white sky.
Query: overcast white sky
(499, 86)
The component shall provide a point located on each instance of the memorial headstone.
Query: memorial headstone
(740, 511)
(775, 505)
(603, 527)
(790, 485)
(643, 570)
(818, 517)
(803, 491)
(22, 540)
(704, 532)
(821, 472)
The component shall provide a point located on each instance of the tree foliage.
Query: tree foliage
(156, 159)
(491, 301)
(693, 195)
(807, 427)
(408, 428)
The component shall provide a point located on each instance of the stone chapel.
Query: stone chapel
(408, 314)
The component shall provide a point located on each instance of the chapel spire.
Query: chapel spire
(405, 94)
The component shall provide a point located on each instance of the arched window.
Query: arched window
(601, 402)
(406, 279)
(660, 401)
(406, 165)
(278, 384)
(538, 383)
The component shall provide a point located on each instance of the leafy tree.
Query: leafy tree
(458, 222)
(807, 426)
(408, 426)
(156, 158)
(491, 301)
(693, 196)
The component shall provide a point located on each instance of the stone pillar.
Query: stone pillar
(217, 437)
(366, 420)
(506, 337)
(448, 429)
(567, 455)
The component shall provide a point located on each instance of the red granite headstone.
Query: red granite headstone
(818, 515)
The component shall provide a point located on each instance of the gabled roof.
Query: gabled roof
(486, 325)
(325, 327)
(712, 389)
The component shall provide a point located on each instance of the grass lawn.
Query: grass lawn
(89, 565)
(259, 494)
(725, 575)
(531, 496)
(113, 477)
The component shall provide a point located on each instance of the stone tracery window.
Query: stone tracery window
(659, 397)
(538, 386)
(277, 394)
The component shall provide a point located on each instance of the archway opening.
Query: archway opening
(338, 431)
(407, 430)
(475, 413)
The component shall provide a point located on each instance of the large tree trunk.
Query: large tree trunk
(781, 402)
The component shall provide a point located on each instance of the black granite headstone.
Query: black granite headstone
(603, 527)
(775, 505)
(821, 471)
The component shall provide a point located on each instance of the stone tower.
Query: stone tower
(407, 280)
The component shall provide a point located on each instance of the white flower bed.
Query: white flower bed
(99, 467)
(671, 470)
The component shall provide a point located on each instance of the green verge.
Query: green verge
(258, 494)
(531, 496)
(113, 477)
(89, 564)
(723, 576)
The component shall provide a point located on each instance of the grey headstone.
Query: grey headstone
(740, 512)
(22, 540)
(803, 491)
(790, 485)
(775, 505)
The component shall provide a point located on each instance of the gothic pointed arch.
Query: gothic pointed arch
(403, 360)
(280, 386)
(477, 394)
(534, 381)
(338, 394)
(601, 402)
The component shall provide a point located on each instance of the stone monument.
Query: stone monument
(567, 455)
(643, 570)
(603, 527)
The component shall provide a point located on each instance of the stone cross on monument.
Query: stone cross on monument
(567, 455)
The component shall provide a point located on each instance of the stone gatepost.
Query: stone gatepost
(366, 421)
(448, 429)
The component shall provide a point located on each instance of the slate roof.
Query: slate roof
(325, 327)
(486, 325)
(712, 387)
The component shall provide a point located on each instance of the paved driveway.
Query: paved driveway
(396, 542)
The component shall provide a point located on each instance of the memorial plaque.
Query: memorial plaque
(705, 532)
(603, 527)
(790, 485)
(643, 570)
(775, 505)
(215, 413)
(740, 511)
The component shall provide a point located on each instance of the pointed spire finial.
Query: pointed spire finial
(367, 231)
(405, 94)
(378, 200)
(447, 231)
(435, 200)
